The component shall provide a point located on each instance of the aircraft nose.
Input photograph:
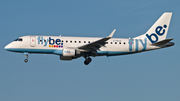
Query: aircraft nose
(7, 47)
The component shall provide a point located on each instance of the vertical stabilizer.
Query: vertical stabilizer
(159, 30)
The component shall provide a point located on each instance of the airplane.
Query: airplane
(69, 48)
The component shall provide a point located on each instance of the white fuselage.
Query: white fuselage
(50, 44)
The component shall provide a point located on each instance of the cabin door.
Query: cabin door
(32, 41)
(131, 45)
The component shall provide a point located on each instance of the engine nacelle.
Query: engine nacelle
(70, 52)
(65, 58)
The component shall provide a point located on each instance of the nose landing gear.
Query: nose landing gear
(26, 60)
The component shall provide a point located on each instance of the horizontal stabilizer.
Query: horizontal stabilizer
(162, 42)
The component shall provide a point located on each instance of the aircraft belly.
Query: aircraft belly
(114, 50)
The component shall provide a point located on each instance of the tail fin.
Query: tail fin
(158, 31)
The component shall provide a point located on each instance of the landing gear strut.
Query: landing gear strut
(88, 60)
(26, 60)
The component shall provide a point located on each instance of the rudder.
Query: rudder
(159, 30)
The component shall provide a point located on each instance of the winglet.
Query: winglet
(112, 33)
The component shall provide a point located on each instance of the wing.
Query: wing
(97, 44)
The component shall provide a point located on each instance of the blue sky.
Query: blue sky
(148, 76)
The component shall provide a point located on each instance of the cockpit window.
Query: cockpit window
(18, 39)
(15, 39)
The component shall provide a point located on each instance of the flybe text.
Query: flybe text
(52, 42)
(159, 31)
(135, 44)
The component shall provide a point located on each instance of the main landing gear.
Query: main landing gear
(26, 60)
(88, 60)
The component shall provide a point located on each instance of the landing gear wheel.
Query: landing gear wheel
(26, 54)
(26, 60)
(87, 61)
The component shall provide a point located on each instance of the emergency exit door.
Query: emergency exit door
(32, 41)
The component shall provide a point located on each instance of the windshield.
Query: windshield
(18, 39)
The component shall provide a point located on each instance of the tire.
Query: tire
(89, 60)
(86, 63)
(26, 60)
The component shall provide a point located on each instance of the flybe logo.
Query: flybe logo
(159, 31)
(56, 43)
(68, 52)
(135, 45)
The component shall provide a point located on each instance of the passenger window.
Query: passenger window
(84, 41)
(115, 42)
(62, 41)
(124, 43)
(67, 41)
(79, 41)
(119, 42)
(111, 42)
(70, 41)
(88, 41)
(74, 41)
(106, 42)
(44, 40)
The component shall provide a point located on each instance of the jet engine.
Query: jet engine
(69, 54)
